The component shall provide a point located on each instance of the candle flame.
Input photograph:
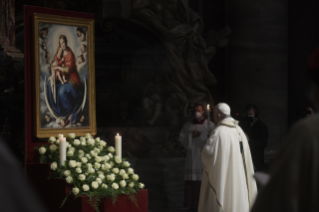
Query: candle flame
(208, 107)
(117, 134)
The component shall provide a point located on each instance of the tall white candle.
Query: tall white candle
(208, 120)
(62, 149)
(118, 145)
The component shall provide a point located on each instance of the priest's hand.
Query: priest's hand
(196, 133)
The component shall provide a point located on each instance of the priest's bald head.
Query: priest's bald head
(221, 111)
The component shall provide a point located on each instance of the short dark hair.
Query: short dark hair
(203, 106)
(80, 30)
(251, 106)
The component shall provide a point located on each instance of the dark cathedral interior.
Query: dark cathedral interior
(155, 60)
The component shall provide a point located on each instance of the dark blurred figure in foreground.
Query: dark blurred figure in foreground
(15, 193)
(257, 135)
(294, 176)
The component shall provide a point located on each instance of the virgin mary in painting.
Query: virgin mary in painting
(65, 93)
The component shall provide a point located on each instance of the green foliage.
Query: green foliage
(91, 165)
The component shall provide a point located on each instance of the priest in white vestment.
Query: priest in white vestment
(228, 184)
(193, 137)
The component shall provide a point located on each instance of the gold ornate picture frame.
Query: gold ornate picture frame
(64, 75)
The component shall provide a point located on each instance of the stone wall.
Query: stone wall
(257, 61)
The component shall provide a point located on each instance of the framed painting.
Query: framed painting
(64, 75)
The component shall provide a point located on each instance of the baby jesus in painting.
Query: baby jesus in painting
(59, 61)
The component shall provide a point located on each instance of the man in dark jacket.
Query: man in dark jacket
(257, 134)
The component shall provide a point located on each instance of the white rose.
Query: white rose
(99, 180)
(117, 159)
(97, 150)
(101, 148)
(131, 184)
(106, 158)
(60, 135)
(81, 151)
(115, 170)
(91, 141)
(110, 155)
(78, 170)
(91, 170)
(78, 164)
(122, 183)
(97, 165)
(111, 149)
(57, 141)
(82, 177)
(76, 142)
(88, 156)
(135, 177)
(111, 164)
(89, 165)
(82, 139)
(54, 166)
(83, 143)
(42, 150)
(125, 176)
(103, 143)
(87, 136)
(53, 148)
(115, 186)
(93, 153)
(97, 139)
(106, 166)
(52, 139)
(104, 185)
(122, 172)
(126, 164)
(141, 185)
(95, 184)
(100, 172)
(84, 160)
(86, 187)
(70, 153)
(67, 144)
(130, 171)
(75, 191)
(98, 159)
(71, 135)
(72, 163)
(102, 176)
(67, 173)
(110, 177)
(69, 179)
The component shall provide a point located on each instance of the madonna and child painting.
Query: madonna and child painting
(64, 70)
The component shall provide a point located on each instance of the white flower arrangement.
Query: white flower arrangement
(91, 168)
(42, 150)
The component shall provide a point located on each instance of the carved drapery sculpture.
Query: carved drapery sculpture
(185, 69)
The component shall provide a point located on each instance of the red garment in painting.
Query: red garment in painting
(72, 76)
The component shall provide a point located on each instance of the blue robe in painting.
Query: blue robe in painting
(68, 100)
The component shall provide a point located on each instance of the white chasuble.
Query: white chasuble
(228, 184)
(194, 147)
